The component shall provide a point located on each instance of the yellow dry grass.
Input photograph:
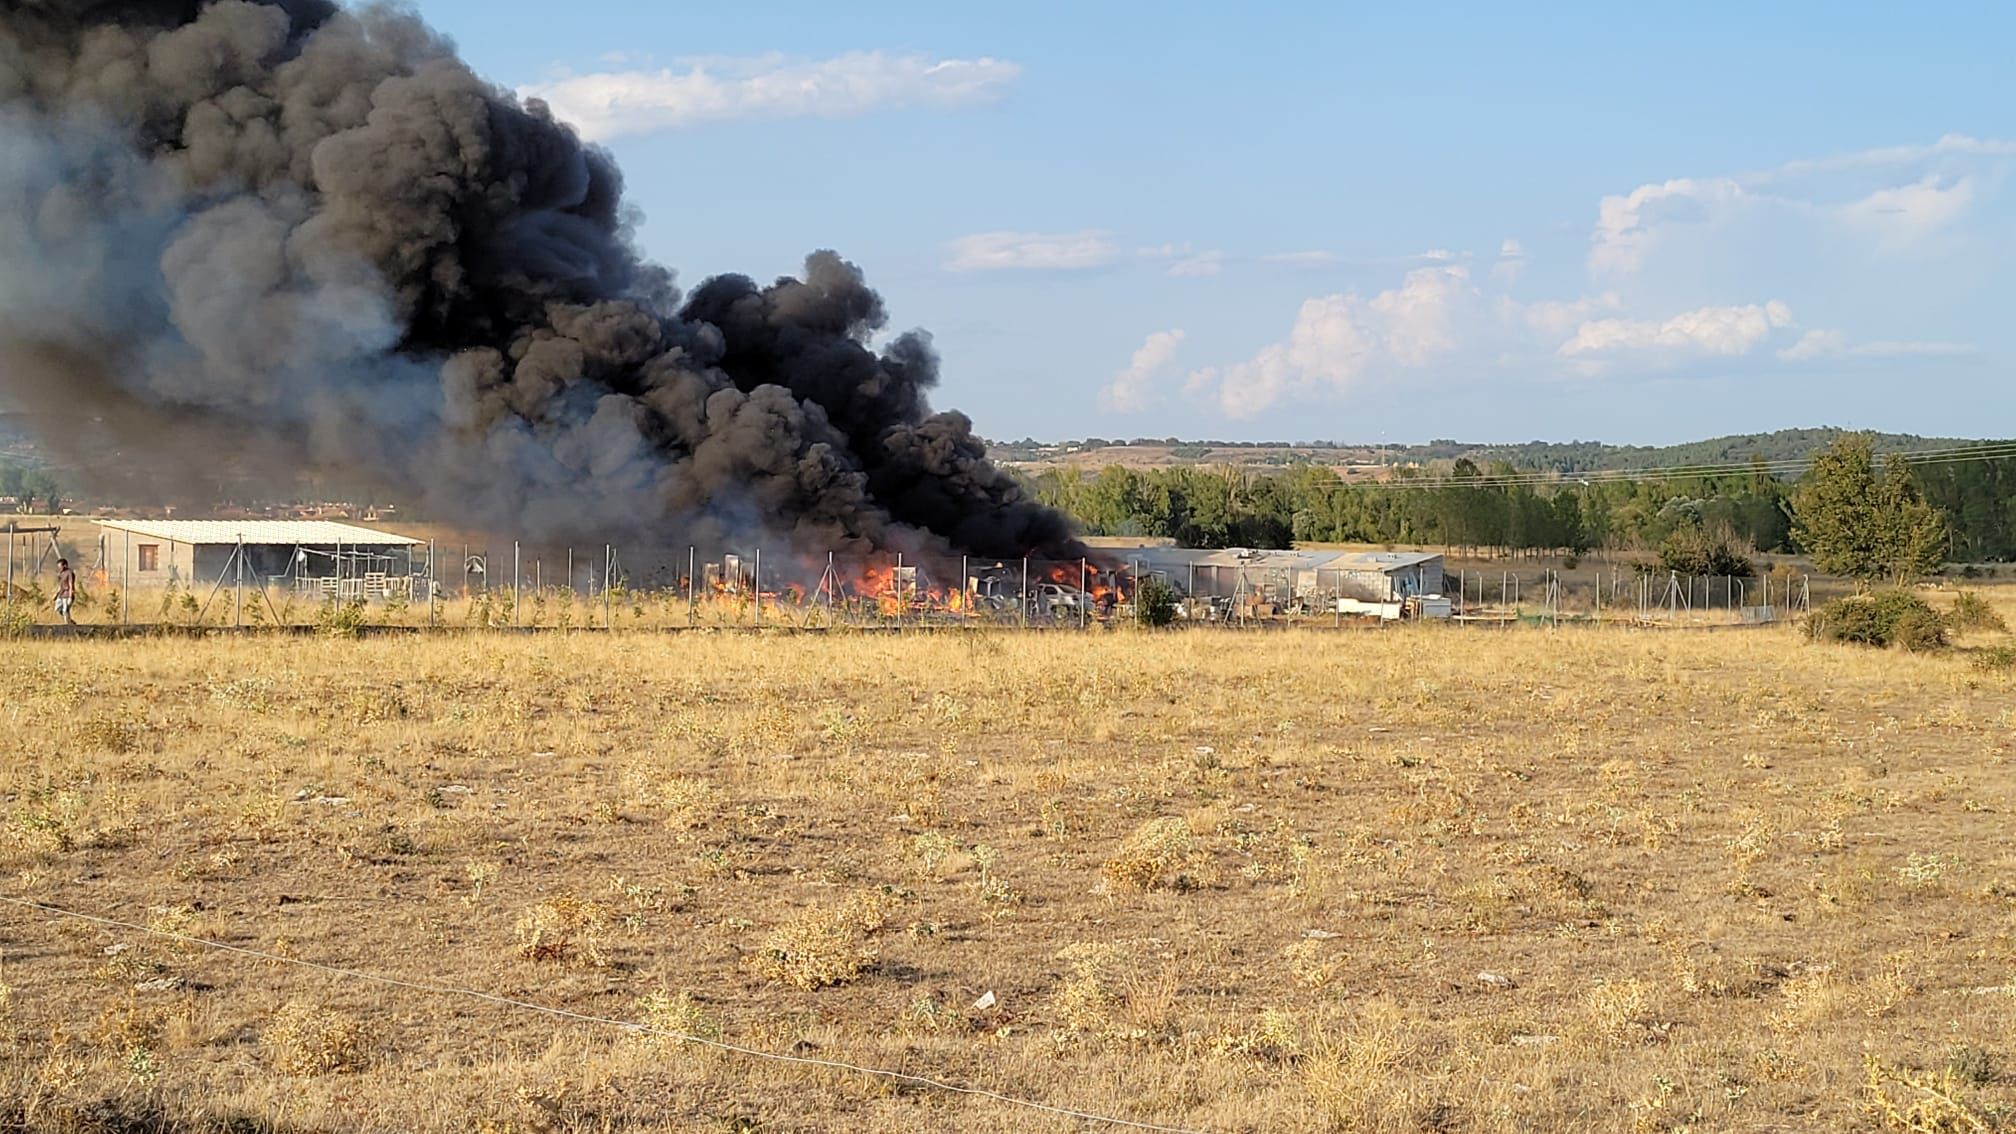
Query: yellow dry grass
(1424, 879)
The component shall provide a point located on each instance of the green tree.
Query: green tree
(1866, 525)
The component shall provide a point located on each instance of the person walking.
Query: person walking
(66, 590)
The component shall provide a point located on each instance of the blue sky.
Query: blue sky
(1620, 222)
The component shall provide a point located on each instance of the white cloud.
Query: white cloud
(1723, 331)
(1948, 146)
(1895, 196)
(1337, 339)
(1313, 257)
(1629, 227)
(1822, 344)
(1132, 388)
(610, 104)
(1554, 318)
(1012, 251)
(1511, 261)
(1202, 264)
(1905, 214)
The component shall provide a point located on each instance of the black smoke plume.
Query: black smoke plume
(310, 238)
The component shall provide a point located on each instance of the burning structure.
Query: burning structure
(312, 238)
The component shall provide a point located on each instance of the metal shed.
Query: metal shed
(1305, 579)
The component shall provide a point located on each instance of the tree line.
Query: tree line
(1699, 522)
(33, 487)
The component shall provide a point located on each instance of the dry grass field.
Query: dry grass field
(1423, 879)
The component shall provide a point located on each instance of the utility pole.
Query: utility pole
(238, 599)
(1084, 597)
(756, 585)
(517, 580)
(608, 581)
(1025, 592)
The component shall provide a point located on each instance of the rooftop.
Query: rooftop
(1278, 560)
(312, 533)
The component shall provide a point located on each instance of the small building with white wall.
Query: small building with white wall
(316, 556)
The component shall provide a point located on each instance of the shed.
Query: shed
(308, 555)
(1311, 578)
(1386, 576)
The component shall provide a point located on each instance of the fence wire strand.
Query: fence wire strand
(630, 1026)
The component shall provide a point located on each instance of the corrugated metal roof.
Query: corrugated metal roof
(313, 533)
(1380, 560)
(1163, 558)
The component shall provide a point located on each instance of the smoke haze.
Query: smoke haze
(309, 238)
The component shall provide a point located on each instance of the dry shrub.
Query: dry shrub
(1358, 1078)
(1617, 1012)
(1112, 990)
(562, 927)
(305, 1040)
(826, 945)
(675, 1020)
(1922, 1102)
(1274, 1037)
(1161, 854)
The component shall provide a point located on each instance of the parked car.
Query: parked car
(1059, 601)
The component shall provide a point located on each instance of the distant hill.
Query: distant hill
(1558, 456)
(1782, 445)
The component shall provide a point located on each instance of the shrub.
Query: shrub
(825, 946)
(1691, 551)
(341, 620)
(1892, 618)
(1155, 603)
(562, 927)
(1972, 612)
(1161, 854)
(306, 1040)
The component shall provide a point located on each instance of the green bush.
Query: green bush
(1691, 551)
(1892, 618)
(341, 620)
(1972, 612)
(1154, 602)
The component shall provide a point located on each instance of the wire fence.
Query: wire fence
(475, 587)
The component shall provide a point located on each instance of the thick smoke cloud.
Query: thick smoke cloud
(311, 238)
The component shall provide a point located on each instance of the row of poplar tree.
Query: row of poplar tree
(1888, 517)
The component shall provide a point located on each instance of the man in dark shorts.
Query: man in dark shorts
(66, 589)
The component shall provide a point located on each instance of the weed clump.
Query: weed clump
(561, 928)
(826, 946)
(1892, 618)
(1161, 854)
(1972, 612)
(1996, 659)
(306, 1040)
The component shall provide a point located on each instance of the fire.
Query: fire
(904, 590)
